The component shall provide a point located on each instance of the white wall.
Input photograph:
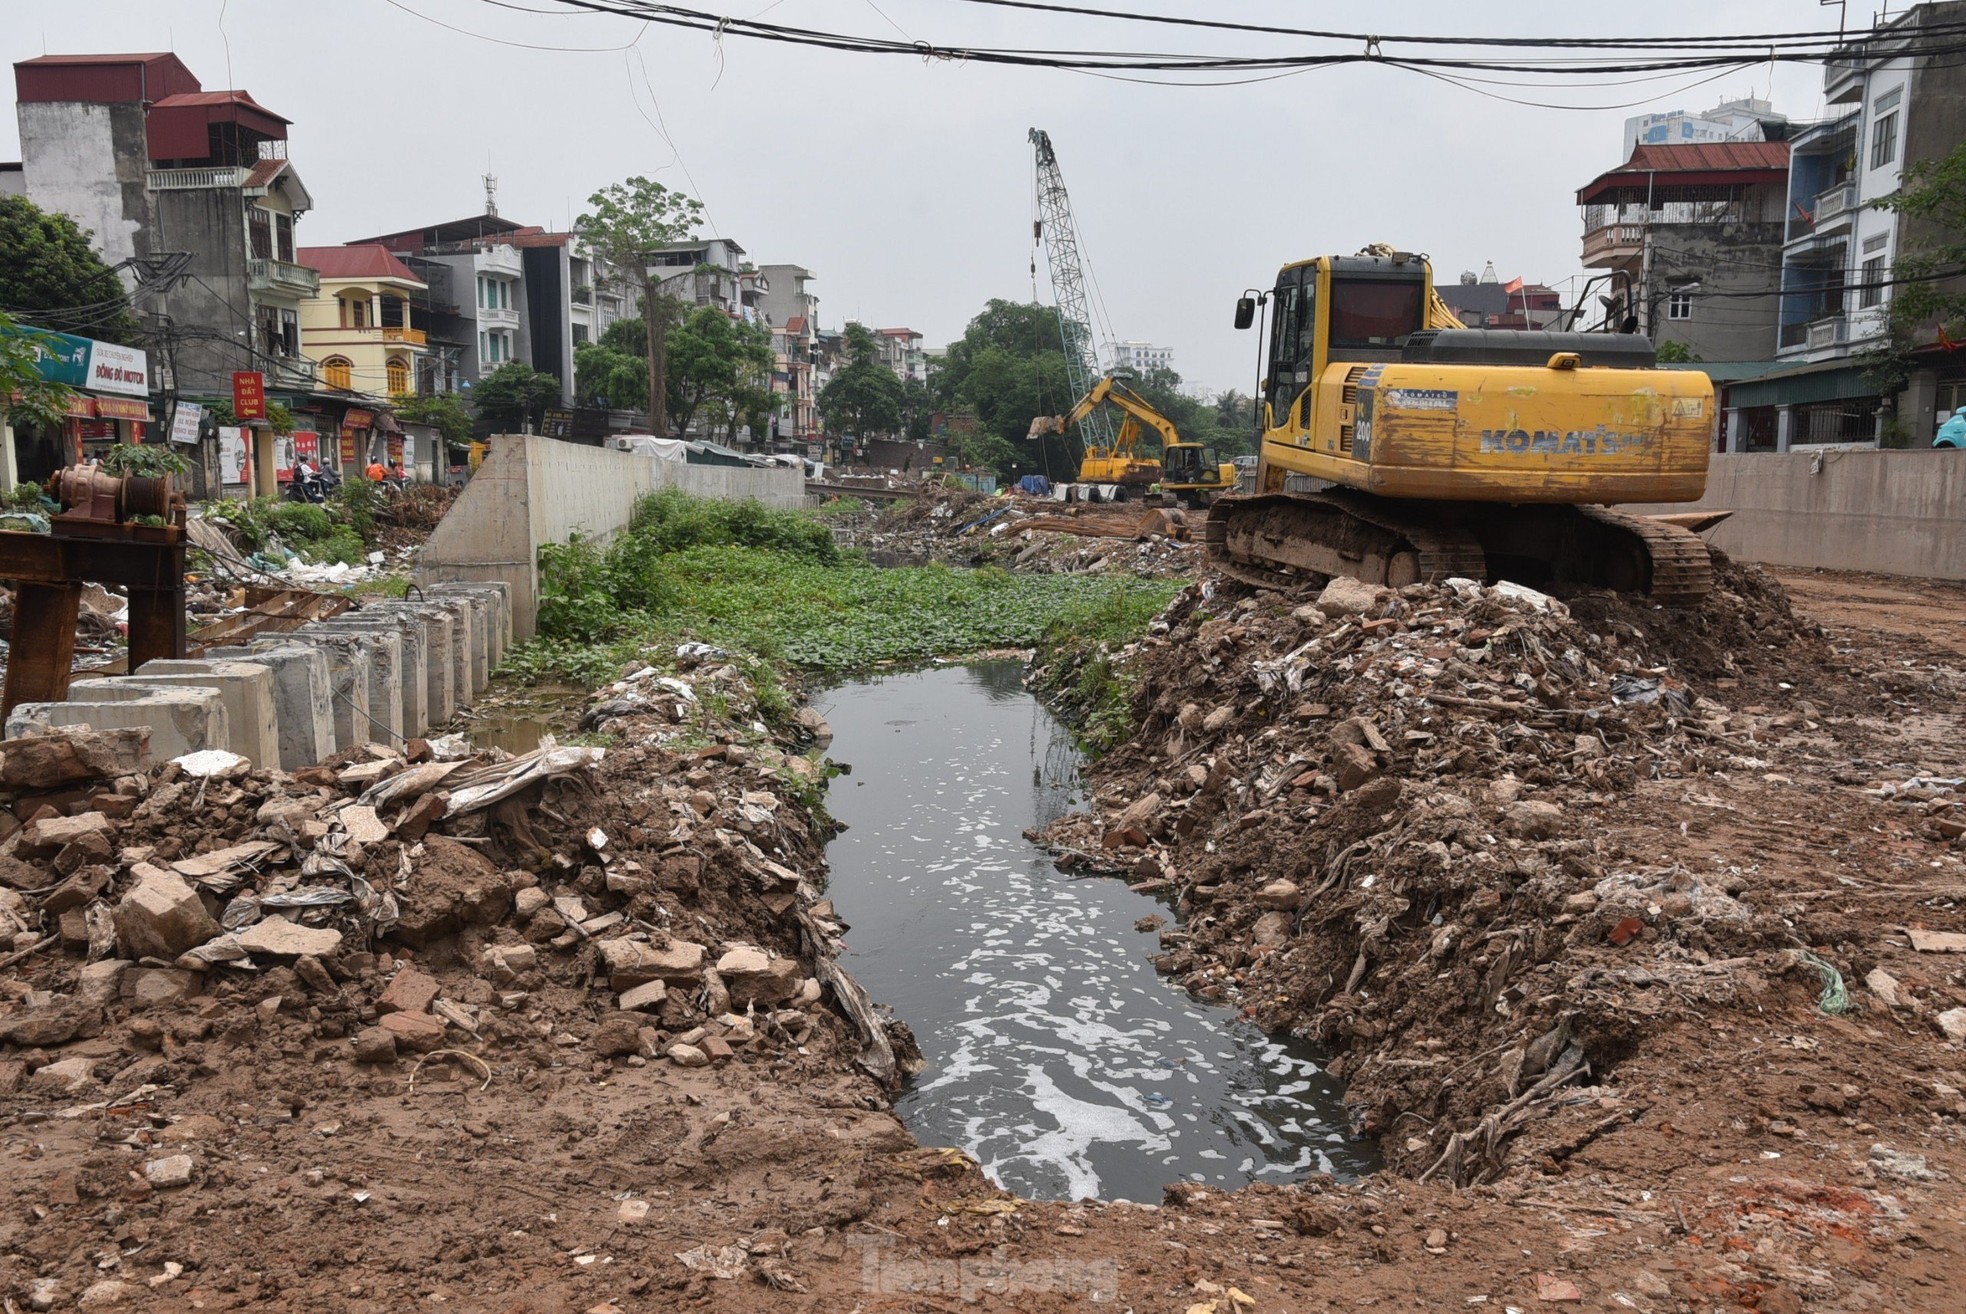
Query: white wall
(532, 491)
(1894, 512)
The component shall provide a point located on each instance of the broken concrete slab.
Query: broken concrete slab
(180, 720)
(73, 754)
(276, 937)
(161, 917)
(252, 728)
(633, 962)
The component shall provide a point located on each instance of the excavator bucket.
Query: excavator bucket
(1045, 424)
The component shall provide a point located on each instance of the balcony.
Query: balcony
(1612, 244)
(414, 337)
(1836, 206)
(295, 372)
(498, 317)
(1827, 333)
(410, 337)
(282, 277)
(194, 180)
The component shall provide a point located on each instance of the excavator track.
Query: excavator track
(1682, 568)
(1279, 540)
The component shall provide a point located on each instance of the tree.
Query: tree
(443, 411)
(50, 274)
(864, 397)
(605, 375)
(1928, 294)
(629, 222)
(23, 390)
(514, 396)
(718, 362)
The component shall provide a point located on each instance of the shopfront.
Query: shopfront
(111, 405)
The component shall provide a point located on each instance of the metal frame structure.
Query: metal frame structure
(1061, 242)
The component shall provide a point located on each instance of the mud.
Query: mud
(1596, 1029)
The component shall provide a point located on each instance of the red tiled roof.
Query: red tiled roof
(899, 333)
(368, 260)
(264, 172)
(796, 324)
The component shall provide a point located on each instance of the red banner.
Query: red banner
(347, 449)
(114, 408)
(249, 395)
(307, 445)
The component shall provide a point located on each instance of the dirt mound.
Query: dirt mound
(1384, 814)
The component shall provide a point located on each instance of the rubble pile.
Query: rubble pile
(1029, 534)
(1379, 813)
(390, 913)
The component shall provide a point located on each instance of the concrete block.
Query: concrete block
(437, 626)
(479, 608)
(465, 681)
(302, 703)
(500, 593)
(181, 720)
(405, 639)
(373, 711)
(348, 685)
(246, 690)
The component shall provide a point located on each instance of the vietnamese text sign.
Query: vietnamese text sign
(184, 422)
(249, 395)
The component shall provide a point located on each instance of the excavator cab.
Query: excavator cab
(1358, 308)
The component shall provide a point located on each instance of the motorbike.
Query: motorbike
(316, 487)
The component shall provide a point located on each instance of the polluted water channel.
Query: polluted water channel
(1055, 1054)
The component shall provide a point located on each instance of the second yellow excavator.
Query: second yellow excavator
(1185, 471)
(1400, 446)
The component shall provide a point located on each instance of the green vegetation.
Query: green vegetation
(317, 533)
(151, 460)
(772, 589)
(51, 274)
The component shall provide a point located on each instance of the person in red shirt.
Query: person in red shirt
(376, 474)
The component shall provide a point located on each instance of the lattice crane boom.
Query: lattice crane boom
(1061, 244)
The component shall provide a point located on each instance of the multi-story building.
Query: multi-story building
(1140, 358)
(792, 310)
(1691, 239)
(1731, 120)
(138, 152)
(707, 272)
(502, 291)
(1893, 104)
(901, 351)
(358, 331)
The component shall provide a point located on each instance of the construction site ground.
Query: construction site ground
(1730, 1143)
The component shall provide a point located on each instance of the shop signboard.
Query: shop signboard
(60, 357)
(249, 395)
(234, 458)
(122, 370)
(185, 421)
(307, 446)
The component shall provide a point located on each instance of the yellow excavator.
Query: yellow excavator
(1400, 446)
(1184, 470)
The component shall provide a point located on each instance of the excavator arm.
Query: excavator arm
(1109, 389)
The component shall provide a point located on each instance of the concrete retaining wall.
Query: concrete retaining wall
(1898, 513)
(532, 491)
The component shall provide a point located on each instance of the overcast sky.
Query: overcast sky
(906, 185)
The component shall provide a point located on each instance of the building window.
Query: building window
(1679, 305)
(399, 376)
(1872, 292)
(579, 335)
(1884, 140)
(338, 372)
(283, 233)
(259, 221)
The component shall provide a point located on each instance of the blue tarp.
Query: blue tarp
(1035, 485)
